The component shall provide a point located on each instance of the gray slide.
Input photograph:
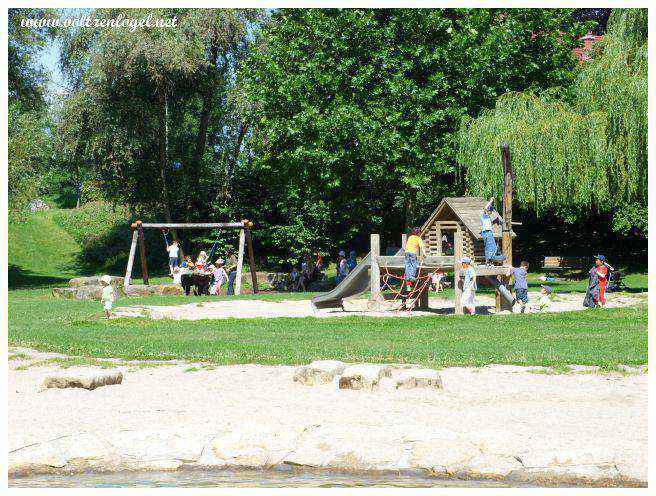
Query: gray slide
(356, 282)
(507, 295)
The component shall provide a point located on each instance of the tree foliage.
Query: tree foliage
(355, 111)
(578, 149)
(29, 125)
(151, 107)
(26, 78)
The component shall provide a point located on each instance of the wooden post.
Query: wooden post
(506, 235)
(133, 249)
(404, 240)
(374, 273)
(423, 297)
(457, 269)
(251, 258)
(438, 233)
(142, 252)
(506, 238)
(240, 261)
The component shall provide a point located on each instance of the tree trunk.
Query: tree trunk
(232, 159)
(201, 138)
(163, 159)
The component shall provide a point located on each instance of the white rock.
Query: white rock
(341, 447)
(251, 446)
(363, 376)
(414, 378)
(319, 372)
(86, 380)
(93, 281)
(443, 456)
(489, 465)
(77, 452)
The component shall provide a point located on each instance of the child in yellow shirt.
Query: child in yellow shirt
(414, 248)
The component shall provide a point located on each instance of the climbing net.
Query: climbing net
(401, 300)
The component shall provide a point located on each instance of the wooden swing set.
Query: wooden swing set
(245, 240)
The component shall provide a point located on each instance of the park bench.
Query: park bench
(565, 265)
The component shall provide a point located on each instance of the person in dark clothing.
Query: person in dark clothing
(592, 293)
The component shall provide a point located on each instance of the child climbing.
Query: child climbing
(489, 217)
(468, 286)
(520, 285)
(108, 295)
(414, 249)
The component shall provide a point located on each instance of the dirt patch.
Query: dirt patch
(241, 309)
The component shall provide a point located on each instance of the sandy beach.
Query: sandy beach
(502, 422)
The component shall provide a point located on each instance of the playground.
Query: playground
(410, 245)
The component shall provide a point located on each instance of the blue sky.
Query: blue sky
(49, 59)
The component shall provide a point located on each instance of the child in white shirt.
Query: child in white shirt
(108, 295)
(174, 254)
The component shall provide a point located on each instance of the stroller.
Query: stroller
(615, 282)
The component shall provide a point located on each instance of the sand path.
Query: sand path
(303, 308)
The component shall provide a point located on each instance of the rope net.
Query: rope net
(407, 295)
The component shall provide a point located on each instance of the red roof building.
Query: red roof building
(583, 53)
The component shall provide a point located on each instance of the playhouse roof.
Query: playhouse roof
(467, 209)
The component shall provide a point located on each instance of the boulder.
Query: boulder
(319, 372)
(250, 446)
(86, 292)
(418, 378)
(153, 290)
(37, 205)
(363, 376)
(88, 380)
(93, 281)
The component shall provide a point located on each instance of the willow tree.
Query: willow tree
(578, 149)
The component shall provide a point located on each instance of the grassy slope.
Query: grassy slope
(42, 255)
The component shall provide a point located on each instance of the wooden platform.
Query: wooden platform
(443, 262)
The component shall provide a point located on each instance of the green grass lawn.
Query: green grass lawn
(595, 337)
(41, 256)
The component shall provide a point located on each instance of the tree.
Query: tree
(26, 79)
(157, 104)
(578, 150)
(355, 111)
(29, 127)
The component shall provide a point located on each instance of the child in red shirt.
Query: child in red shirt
(602, 274)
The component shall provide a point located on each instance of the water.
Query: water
(246, 478)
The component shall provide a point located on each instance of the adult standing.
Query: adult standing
(592, 293)
(231, 270)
